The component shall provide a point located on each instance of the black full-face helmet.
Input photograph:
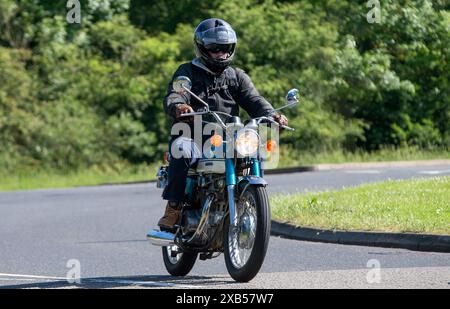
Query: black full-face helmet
(214, 35)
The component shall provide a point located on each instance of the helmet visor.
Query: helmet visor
(218, 35)
(216, 48)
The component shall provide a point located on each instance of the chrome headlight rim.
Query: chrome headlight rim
(247, 142)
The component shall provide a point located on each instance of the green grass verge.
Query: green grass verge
(417, 206)
(41, 179)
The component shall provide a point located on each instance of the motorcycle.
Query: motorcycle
(226, 208)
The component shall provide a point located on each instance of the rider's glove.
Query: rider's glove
(183, 109)
(280, 118)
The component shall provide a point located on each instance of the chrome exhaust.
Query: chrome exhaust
(203, 219)
(158, 238)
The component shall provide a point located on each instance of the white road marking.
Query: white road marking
(434, 172)
(31, 276)
(363, 172)
(16, 279)
(19, 277)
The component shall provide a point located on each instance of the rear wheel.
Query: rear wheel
(177, 263)
(245, 246)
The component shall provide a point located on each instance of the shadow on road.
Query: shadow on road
(187, 282)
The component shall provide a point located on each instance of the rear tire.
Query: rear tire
(251, 267)
(181, 265)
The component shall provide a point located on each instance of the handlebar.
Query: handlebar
(291, 97)
(192, 114)
(270, 119)
(287, 128)
(221, 123)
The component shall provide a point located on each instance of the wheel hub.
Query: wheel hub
(245, 234)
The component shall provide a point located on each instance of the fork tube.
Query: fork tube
(231, 183)
(256, 168)
(230, 173)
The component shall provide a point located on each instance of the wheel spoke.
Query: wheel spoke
(241, 239)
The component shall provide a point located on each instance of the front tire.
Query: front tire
(245, 255)
(180, 265)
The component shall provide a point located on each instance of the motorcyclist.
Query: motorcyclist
(224, 88)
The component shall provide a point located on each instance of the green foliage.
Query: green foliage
(164, 16)
(395, 75)
(74, 96)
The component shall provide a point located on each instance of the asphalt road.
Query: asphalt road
(46, 233)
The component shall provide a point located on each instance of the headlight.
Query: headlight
(247, 142)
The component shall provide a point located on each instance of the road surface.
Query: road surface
(99, 233)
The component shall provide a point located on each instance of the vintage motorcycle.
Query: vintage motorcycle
(226, 207)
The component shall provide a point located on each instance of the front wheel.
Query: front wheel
(178, 264)
(246, 245)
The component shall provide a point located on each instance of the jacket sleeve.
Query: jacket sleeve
(249, 98)
(172, 98)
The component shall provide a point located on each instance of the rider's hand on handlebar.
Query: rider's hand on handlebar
(281, 119)
(183, 109)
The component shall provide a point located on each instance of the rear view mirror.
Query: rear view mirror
(181, 83)
(291, 96)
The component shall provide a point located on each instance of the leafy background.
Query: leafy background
(82, 96)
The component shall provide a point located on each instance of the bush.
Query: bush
(74, 96)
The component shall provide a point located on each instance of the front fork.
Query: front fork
(231, 185)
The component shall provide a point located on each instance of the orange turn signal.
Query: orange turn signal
(271, 145)
(216, 140)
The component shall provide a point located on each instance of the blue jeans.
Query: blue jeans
(184, 154)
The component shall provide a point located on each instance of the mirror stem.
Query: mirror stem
(207, 107)
(195, 96)
(287, 105)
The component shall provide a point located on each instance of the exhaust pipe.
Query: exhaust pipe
(159, 238)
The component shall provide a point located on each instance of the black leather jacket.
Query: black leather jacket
(225, 92)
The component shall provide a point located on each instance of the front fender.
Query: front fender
(253, 180)
(247, 181)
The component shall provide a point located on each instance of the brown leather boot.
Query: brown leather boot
(170, 217)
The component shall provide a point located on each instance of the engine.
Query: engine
(205, 195)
